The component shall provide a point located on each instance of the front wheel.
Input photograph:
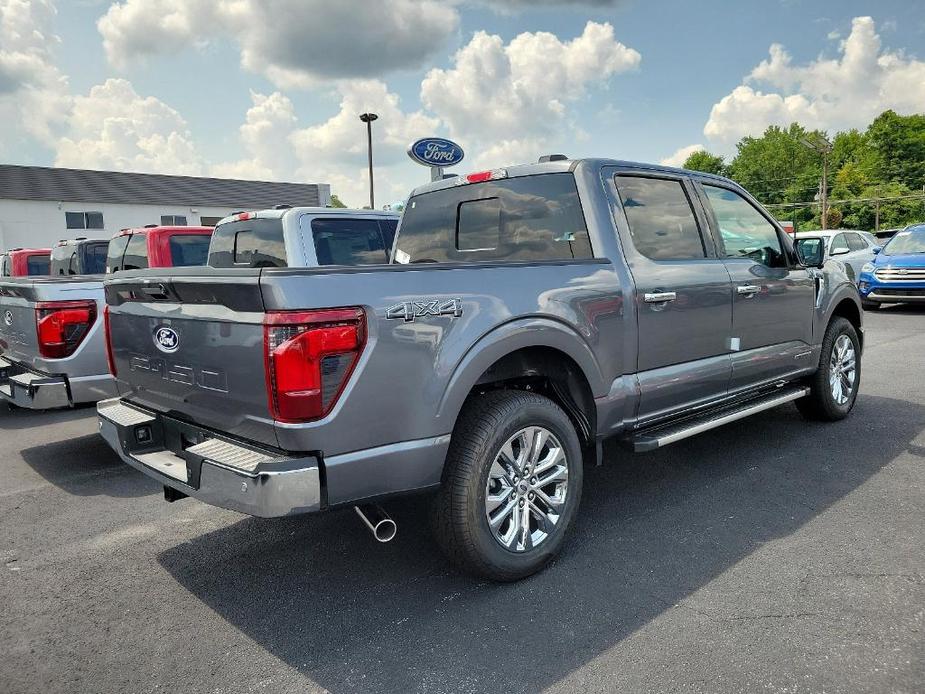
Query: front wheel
(834, 386)
(511, 486)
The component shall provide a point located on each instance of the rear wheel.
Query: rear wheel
(834, 386)
(511, 487)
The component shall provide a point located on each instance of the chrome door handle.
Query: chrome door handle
(748, 289)
(660, 297)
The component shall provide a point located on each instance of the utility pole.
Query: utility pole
(368, 118)
(821, 145)
(877, 212)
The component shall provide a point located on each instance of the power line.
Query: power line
(810, 203)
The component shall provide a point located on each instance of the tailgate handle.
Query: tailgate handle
(158, 291)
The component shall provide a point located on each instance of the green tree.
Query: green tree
(897, 145)
(706, 162)
(335, 201)
(777, 167)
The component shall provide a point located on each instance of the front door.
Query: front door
(773, 297)
(682, 297)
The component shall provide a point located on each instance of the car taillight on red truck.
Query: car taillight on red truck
(309, 357)
(62, 325)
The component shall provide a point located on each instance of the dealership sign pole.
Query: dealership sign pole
(436, 153)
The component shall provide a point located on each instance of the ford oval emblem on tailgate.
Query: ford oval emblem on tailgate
(8, 318)
(166, 340)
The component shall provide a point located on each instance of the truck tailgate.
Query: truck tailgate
(192, 347)
(18, 340)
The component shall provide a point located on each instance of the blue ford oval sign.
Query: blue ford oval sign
(435, 151)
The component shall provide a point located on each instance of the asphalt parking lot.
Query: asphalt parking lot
(771, 555)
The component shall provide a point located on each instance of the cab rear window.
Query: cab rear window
(37, 265)
(529, 218)
(351, 241)
(248, 243)
(187, 250)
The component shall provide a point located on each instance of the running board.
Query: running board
(656, 437)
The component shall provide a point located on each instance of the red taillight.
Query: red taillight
(110, 360)
(62, 325)
(309, 358)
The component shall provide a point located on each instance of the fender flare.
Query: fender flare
(510, 337)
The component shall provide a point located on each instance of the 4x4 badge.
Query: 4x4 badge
(409, 310)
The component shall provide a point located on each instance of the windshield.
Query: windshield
(908, 241)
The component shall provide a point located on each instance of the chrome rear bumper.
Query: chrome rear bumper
(200, 464)
(31, 390)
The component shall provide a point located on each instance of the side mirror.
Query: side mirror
(841, 250)
(811, 254)
(877, 249)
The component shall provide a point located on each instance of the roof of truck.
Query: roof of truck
(563, 165)
(164, 230)
(335, 211)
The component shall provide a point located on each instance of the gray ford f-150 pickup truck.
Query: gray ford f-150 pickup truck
(528, 314)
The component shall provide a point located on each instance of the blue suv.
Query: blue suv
(897, 273)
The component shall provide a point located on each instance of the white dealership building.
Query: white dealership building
(39, 205)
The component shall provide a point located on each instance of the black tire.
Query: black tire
(458, 513)
(820, 403)
(870, 305)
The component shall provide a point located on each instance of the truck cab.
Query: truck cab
(25, 262)
(80, 256)
(158, 246)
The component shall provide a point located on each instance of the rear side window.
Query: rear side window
(525, 218)
(115, 252)
(349, 242)
(248, 243)
(189, 249)
(94, 257)
(661, 221)
(136, 253)
(37, 265)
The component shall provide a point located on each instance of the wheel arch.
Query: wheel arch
(540, 355)
(849, 308)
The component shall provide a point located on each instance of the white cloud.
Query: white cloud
(33, 92)
(295, 43)
(681, 154)
(113, 127)
(507, 99)
(848, 91)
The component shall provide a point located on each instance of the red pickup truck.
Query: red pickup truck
(25, 262)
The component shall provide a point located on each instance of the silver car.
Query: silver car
(850, 247)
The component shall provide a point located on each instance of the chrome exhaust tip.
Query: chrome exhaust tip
(378, 521)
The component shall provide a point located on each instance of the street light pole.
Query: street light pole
(368, 118)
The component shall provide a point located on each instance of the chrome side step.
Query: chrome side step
(656, 437)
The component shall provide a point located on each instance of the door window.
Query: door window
(661, 221)
(856, 243)
(115, 252)
(746, 233)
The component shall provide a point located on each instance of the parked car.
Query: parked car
(25, 262)
(851, 247)
(158, 246)
(80, 256)
(897, 273)
(52, 349)
(528, 314)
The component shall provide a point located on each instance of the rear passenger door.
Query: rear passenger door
(773, 298)
(683, 296)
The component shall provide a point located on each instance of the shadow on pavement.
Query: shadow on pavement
(353, 615)
(17, 418)
(80, 465)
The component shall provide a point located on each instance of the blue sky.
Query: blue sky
(271, 89)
